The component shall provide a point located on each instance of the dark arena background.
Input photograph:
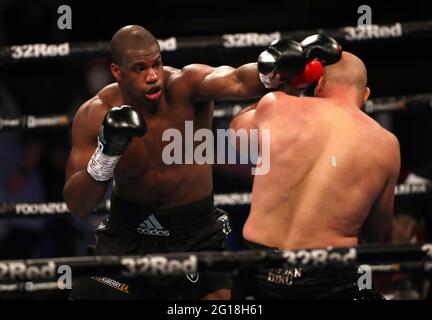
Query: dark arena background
(47, 72)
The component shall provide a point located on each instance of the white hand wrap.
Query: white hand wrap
(270, 81)
(101, 167)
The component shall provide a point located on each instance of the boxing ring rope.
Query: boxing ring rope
(30, 122)
(36, 286)
(39, 51)
(383, 258)
(225, 110)
(413, 191)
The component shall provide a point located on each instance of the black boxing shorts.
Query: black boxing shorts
(133, 229)
(339, 283)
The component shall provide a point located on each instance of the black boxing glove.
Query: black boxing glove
(119, 126)
(323, 48)
(280, 61)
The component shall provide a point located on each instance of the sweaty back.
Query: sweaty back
(324, 176)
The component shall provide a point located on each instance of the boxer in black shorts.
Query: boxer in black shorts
(147, 100)
(145, 230)
(300, 283)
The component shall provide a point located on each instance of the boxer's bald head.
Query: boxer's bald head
(348, 76)
(132, 37)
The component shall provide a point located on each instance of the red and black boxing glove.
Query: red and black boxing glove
(311, 74)
(323, 48)
(285, 66)
(279, 62)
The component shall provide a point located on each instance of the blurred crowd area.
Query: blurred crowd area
(32, 164)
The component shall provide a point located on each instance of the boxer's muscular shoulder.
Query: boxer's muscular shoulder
(88, 119)
(110, 95)
(380, 134)
(170, 71)
(392, 143)
(193, 73)
(386, 142)
(269, 100)
(273, 101)
(182, 82)
(278, 98)
(92, 112)
(170, 74)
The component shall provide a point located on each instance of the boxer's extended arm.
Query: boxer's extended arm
(222, 83)
(380, 218)
(276, 65)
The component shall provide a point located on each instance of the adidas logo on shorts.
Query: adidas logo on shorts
(152, 227)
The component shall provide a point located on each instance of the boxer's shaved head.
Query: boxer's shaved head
(132, 37)
(347, 76)
(349, 70)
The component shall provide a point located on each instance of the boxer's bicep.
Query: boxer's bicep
(78, 159)
(225, 82)
(220, 83)
(85, 129)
